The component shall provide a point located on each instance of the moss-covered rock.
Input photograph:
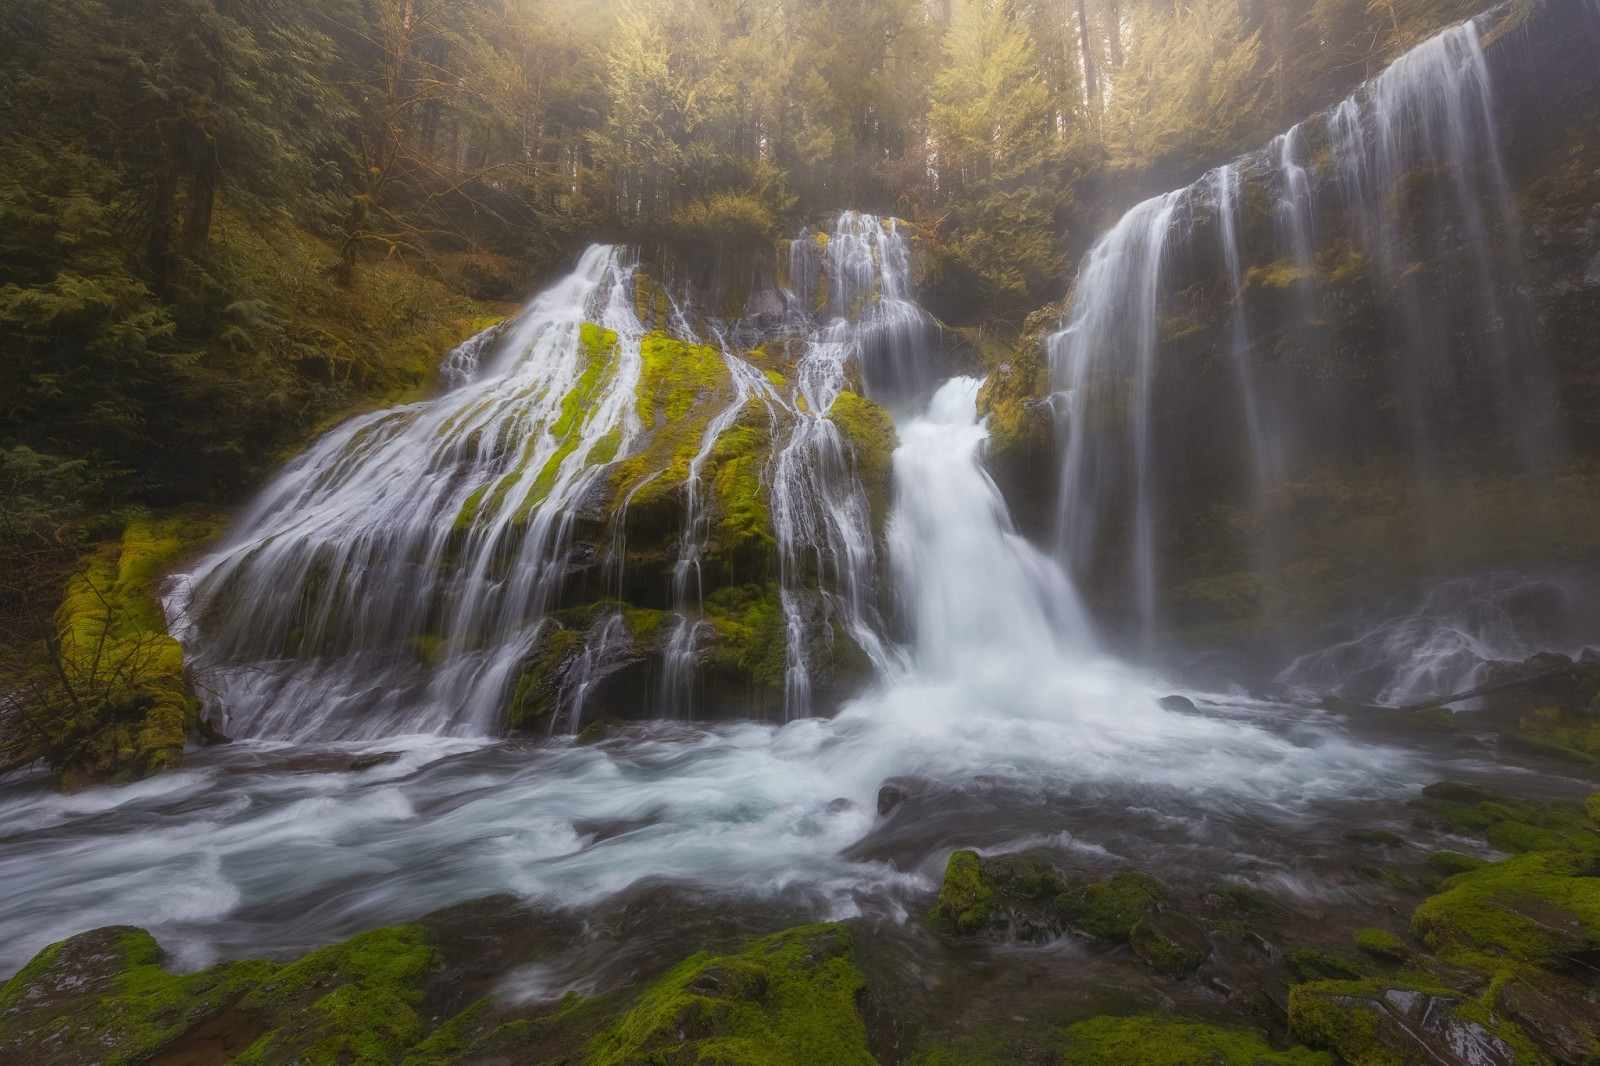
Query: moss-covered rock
(1529, 909)
(105, 997)
(1170, 943)
(102, 997)
(1368, 1024)
(787, 999)
(1110, 910)
(129, 705)
(1381, 944)
(1172, 1042)
(1314, 964)
(964, 895)
(871, 435)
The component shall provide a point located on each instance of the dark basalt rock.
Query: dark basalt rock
(891, 796)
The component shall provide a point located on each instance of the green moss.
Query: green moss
(536, 696)
(605, 449)
(1328, 1014)
(872, 439)
(1559, 732)
(1528, 908)
(749, 623)
(1592, 807)
(354, 1003)
(673, 375)
(134, 706)
(1166, 1042)
(468, 515)
(1381, 944)
(1111, 910)
(1450, 863)
(106, 993)
(1170, 943)
(599, 348)
(1279, 275)
(964, 896)
(787, 999)
(1312, 964)
(744, 522)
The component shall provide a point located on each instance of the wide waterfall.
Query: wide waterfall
(398, 576)
(1384, 223)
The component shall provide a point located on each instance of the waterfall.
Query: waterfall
(408, 571)
(1295, 205)
(820, 510)
(1391, 188)
(971, 586)
(1111, 327)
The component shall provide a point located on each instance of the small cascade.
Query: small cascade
(1111, 332)
(1438, 644)
(1295, 206)
(827, 548)
(1264, 450)
(688, 593)
(1397, 197)
(393, 576)
(971, 586)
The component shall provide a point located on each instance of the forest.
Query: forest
(511, 511)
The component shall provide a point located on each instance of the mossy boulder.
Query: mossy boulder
(1530, 908)
(787, 999)
(964, 896)
(870, 433)
(1381, 944)
(104, 997)
(1369, 1024)
(1170, 943)
(125, 704)
(1110, 910)
(1314, 964)
(1002, 897)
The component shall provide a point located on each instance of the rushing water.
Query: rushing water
(269, 847)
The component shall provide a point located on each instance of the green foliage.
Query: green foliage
(788, 998)
(1001, 148)
(106, 695)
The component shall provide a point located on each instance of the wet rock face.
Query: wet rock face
(1396, 1025)
(1327, 420)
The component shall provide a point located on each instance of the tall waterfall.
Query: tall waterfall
(1397, 194)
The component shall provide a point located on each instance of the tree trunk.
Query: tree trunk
(1091, 77)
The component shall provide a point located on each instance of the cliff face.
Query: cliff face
(1360, 357)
